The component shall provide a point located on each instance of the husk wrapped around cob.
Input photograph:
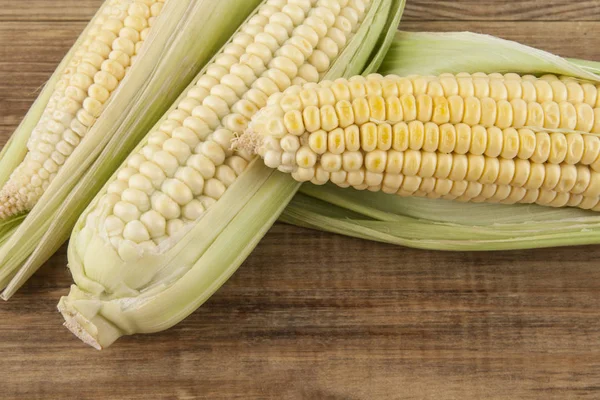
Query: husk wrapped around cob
(184, 211)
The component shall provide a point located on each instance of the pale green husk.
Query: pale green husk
(442, 224)
(112, 298)
(186, 36)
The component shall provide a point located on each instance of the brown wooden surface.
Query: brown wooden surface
(317, 316)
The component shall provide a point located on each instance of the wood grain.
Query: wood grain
(418, 10)
(318, 316)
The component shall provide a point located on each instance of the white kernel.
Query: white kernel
(126, 211)
(113, 226)
(178, 191)
(193, 210)
(174, 226)
(154, 222)
(214, 189)
(136, 232)
(165, 206)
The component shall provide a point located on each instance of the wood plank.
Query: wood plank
(337, 318)
(419, 10)
(493, 10)
(312, 315)
(44, 10)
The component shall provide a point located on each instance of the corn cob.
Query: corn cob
(157, 241)
(497, 138)
(93, 74)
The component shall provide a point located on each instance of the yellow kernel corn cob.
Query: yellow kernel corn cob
(187, 164)
(500, 138)
(93, 74)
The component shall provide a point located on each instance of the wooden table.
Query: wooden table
(317, 316)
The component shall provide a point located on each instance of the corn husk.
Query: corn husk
(441, 224)
(185, 37)
(103, 305)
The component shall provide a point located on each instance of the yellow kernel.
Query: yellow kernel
(428, 164)
(575, 147)
(400, 133)
(377, 108)
(318, 141)
(361, 110)
(482, 87)
(537, 175)
(345, 113)
(447, 138)
(513, 89)
(412, 162)
(568, 116)
(472, 114)
(352, 136)
(479, 139)
(444, 165)
(506, 171)
(395, 161)
(312, 118)
(431, 137)
(352, 160)
(294, 123)
(494, 142)
(585, 117)
(476, 165)
(466, 87)
(424, 108)
(305, 157)
(498, 90)
(522, 171)
(409, 107)
(336, 142)
(575, 93)
(329, 119)
(384, 136)
(552, 176)
(542, 147)
(529, 92)
(368, 135)
(511, 143)
(527, 143)
(441, 110)
(460, 166)
(463, 139)
(375, 161)
(331, 162)
(404, 86)
(416, 131)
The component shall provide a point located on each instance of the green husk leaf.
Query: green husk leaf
(441, 224)
(223, 238)
(428, 53)
(142, 98)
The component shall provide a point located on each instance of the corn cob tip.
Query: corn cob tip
(83, 319)
(78, 330)
(12, 202)
(249, 141)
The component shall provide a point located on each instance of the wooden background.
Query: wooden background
(317, 316)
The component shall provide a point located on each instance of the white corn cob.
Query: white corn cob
(93, 74)
(187, 164)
